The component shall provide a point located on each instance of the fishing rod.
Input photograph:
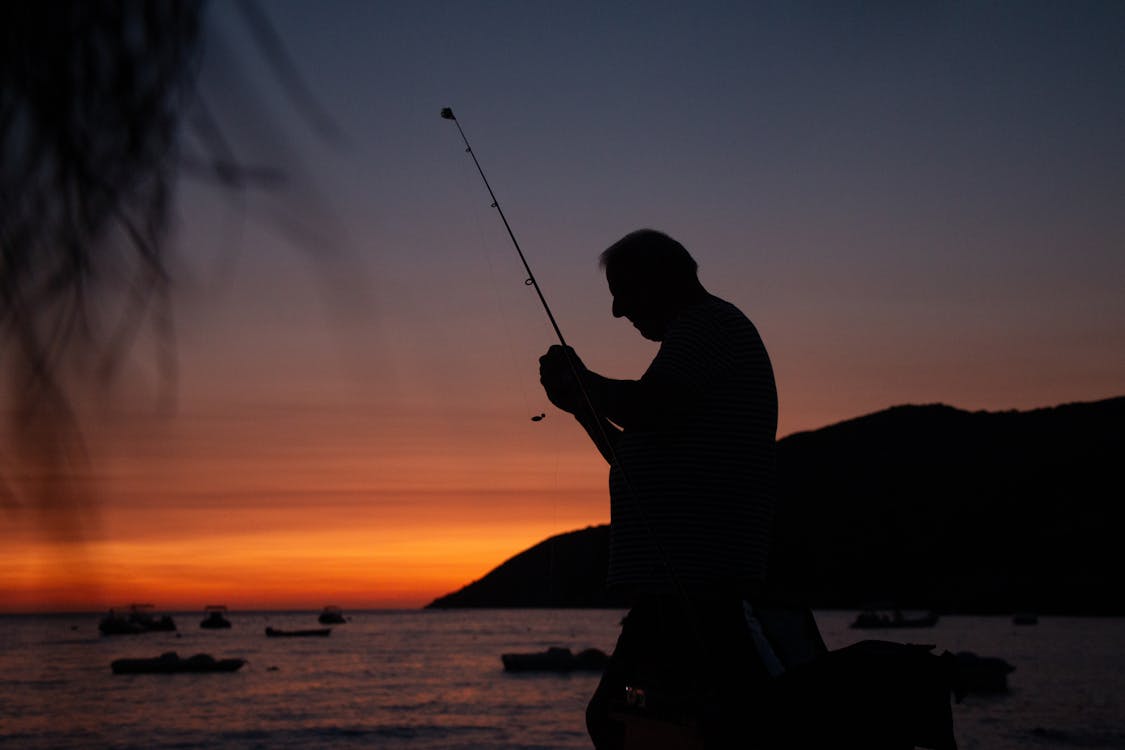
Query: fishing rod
(447, 114)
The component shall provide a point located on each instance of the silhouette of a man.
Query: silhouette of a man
(692, 480)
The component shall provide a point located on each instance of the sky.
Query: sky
(915, 203)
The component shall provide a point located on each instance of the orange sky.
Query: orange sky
(294, 508)
(914, 204)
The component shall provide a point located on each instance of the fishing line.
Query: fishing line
(501, 308)
(447, 114)
(531, 281)
(504, 316)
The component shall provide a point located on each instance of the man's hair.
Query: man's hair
(650, 253)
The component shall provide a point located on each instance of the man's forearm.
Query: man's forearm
(626, 403)
(604, 433)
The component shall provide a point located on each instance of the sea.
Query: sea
(433, 679)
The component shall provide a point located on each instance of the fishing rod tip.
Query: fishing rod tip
(447, 113)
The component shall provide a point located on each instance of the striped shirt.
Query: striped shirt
(691, 501)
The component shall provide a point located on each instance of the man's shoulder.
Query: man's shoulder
(714, 311)
(711, 328)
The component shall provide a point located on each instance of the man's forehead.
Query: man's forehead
(622, 277)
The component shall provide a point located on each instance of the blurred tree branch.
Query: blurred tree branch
(96, 100)
(91, 99)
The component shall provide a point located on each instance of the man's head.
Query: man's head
(651, 278)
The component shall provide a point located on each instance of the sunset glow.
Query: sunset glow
(221, 516)
(913, 203)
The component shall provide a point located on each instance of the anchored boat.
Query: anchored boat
(136, 618)
(332, 615)
(215, 619)
(870, 618)
(171, 662)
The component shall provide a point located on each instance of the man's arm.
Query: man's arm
(648, 403)
(643, 404)
(604, 433)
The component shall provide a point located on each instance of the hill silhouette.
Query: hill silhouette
(923, 506)
(567, 570)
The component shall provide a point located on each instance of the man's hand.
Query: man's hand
(556, 372)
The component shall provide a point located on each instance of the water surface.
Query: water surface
(433, 679)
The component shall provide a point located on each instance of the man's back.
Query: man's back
(692, 495)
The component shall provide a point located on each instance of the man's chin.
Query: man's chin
(649, 332)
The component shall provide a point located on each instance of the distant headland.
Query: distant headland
(919, 506)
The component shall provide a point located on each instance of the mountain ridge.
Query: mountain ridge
(921, 505)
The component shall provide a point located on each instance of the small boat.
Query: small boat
(555, 659)
(332, 615)
(171, 663)
(215, 620)
(982, 674)
(870, 618)
(136, 619)
(311, 632)
(116, 623)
